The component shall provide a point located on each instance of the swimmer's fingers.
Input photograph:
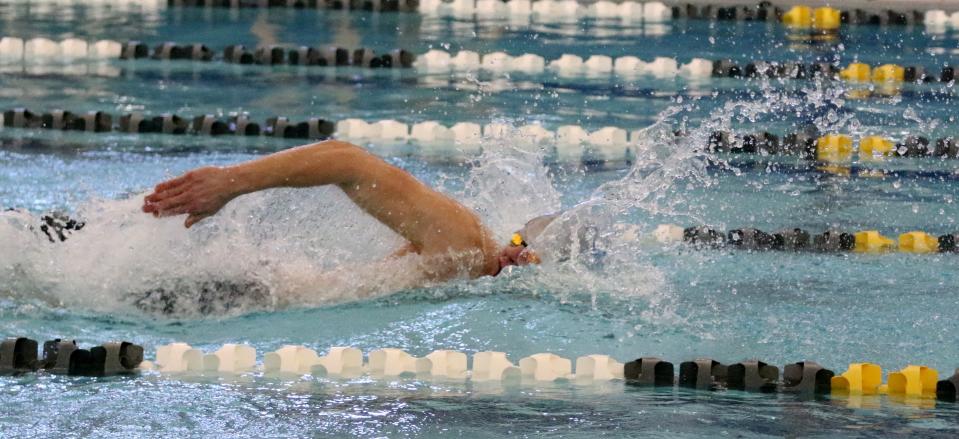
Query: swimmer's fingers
(173, 183)
(174, 205)
(162, 192)
(169, 191)
(195, 218)
(156, 203)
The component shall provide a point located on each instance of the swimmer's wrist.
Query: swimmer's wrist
(239, 181)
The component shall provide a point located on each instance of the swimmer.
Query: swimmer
(450, 237)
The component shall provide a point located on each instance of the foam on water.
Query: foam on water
(254, 255)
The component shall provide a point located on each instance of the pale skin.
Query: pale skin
(447, 234)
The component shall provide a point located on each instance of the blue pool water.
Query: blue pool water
(640, 299)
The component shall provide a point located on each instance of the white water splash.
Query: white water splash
(123, 258)
(313, 247)
(509, 184)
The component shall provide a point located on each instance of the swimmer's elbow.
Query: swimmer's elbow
(348, 154)
(338, 145)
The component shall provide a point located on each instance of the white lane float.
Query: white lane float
(631, 12)
(340, 361)
(520, 8)
(552, 11)
(608, 136)
(491, 8)
(291, 359)
(430, 7)
(230, 358)
(656, 12)
(571, 135)
(628, 66)
(466, 134)
(40, 50)
(528, 63)
(433, 61)
(497, 62)
(431, 132)
(389, 129)
(570, 143)
(603, 9)
(105, 49)
(448, 364)
(497, 130)
(534, 134)
(697, 68)
(598, 65)
(11, 49)
(936, 18)
(395, 362)
(546, 367)
(73, 48)
(567, 65)
(461, 8)
(465, 60)
(494, 366)
(179, 357)
(668, 234)
(663, 67)
(353, 129)
(591, 368)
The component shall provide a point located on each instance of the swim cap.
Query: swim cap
(570, 238)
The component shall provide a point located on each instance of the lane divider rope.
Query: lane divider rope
(560, 11)
(569, 143)
(44, 51)
(853, 72)
(833, 148)
(566, 11)
(797, 239)
(19, 355)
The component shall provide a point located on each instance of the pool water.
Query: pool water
(639, 298)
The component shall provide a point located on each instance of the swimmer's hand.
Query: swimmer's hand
(199, 194)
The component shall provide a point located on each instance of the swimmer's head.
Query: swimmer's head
(517, 251)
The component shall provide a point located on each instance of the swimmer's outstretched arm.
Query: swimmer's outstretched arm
(433, 223)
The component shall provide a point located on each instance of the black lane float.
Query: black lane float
(19, 355)
(797, 239)
(356, 5)
(168, 123)
(272, 55)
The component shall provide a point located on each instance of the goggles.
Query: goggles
(518, 241)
